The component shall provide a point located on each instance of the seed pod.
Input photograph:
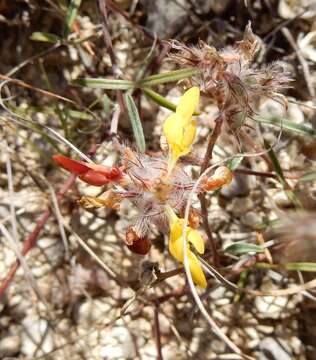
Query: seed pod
(222, 177)
(138, 245)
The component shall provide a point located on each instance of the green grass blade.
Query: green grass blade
(167, 77)
(278, 169)
(310, 176)
(288, 125)
(243, 248)
(276, 164)
(235, 162)
(161, 100)
(108, 84)
(45, 37)
(301, 266)
(71, 16)
(136, 122)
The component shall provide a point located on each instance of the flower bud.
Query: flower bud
(137, 245)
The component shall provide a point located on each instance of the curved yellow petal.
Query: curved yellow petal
(188, 103)
(196, 239)
(172, 128)
(176, 241)
(188, 137)
(196, 270)
(179, 129)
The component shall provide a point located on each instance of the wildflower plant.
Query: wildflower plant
(157, 185)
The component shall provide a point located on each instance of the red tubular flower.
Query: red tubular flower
(97, 175)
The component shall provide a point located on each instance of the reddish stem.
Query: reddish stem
(31, 239)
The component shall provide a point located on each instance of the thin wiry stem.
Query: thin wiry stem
(202, 196)
(59, 218)
(14, 240)
(157, 332)
(216, 329)
(105, 267)
(26, 122)
(30, 241)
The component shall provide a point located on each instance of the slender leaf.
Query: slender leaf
(71, 16)
(170, 76)
(243, 248)
(303, 266)
(108, 84)
(310, 176)
(162, 101)
(299, 266)
(45, 37)
(235, 162)
(81, 115)
(288, 125)
(159, 99)
(275, 163)
(136, 123)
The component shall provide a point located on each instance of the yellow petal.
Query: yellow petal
(196, 270)
(188, 137)
(176, 241)
(188, 103)
(196, 239)
(176, 250)
(172, 127)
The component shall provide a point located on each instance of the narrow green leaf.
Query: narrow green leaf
(277, 168)
(170, 76)
(106, 104)
(136, 122)
(267, 223)
(108, 84)
(288, 125)
(235, 162)
(162, 101)
(275, 163)
(81, 115)
(310, 176)
(301, 266)
(45, 37)
(71, 16)
(243, 248)
(159, 99)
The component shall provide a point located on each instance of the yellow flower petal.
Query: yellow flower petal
(176, 246)
(179, 129)
(196, 270)
(188, 137)
(174, 130)
(188, 103)
(196, 239)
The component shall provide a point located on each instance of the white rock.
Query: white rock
(10, 345)
(120, 344)
(270, 307)
(307, 45)
(35, 331)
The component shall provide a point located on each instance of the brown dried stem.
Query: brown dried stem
(208, 156)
